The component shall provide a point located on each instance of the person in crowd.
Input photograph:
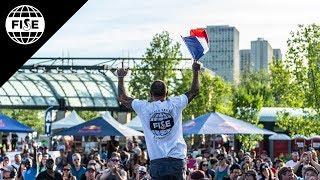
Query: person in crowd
(309, 172)
(142, 173)
(99, 163)
(203, 166)
(286, 173)
(114, 170)
(49, 173)
(20, 171)
(240, 156)
(305, 160)
(77, 170)
(90, 173)
(61, 160)
(8, 174)
(213, 166)
(190, 162)
(222, 169)
(17, 162)
(197, 175)
(235, 172)
(266, 172)
(31, 166)
(251, 174)
(112, 146)
(41, 164)
(66, 173)
(294, 159)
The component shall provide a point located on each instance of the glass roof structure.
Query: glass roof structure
(79, 90)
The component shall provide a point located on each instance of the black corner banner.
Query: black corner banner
(26, 25)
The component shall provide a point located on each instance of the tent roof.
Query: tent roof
(101, 126)
(67, 122)
(217, 123)
(280, 137)
(8, 124)
(135, 123)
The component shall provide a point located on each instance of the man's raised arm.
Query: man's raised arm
(122, 96)
(195, 87)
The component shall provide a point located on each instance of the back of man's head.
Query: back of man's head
(158, 88)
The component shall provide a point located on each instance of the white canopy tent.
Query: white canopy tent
(72, 119)
(135, 124)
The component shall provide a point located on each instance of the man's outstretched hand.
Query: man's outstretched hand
(122, 72)
(196, 66)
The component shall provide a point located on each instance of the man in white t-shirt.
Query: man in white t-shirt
(294, 160)
(161, 120)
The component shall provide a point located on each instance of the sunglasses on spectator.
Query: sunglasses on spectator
(66, 169)
(76, 160)
(204, 164)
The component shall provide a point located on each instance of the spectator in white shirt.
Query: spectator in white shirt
(294, 160)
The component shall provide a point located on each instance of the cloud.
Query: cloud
(108, 28)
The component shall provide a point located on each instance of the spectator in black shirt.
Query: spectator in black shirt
(49, 173)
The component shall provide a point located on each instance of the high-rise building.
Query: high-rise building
(277, 54)
(261, 54)
(245, 61)
(223, 55)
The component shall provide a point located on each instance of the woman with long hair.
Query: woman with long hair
(265, 172)
(20, 171)
(203, 166)
(66, 173)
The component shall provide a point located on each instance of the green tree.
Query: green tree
(304, 125)
(31, 118)
(303, 59)
(249, 97)
(88, 115)
(160, 60)
(285, 92)
(303, 63)
(215, 94)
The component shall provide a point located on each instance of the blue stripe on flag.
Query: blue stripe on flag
(194, 47)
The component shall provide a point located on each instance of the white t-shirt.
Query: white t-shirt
(291, 163)
(162, 126)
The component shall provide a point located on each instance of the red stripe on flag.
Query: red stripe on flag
(199, 32)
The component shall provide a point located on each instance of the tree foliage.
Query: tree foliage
(303, 61)
(249, 97)
(88, 115)
(303, 64)
(214, 95)
(31, 118)
(160, 59)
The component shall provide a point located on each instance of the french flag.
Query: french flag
(197, 43)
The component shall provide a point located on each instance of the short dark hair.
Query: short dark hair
(158, 88)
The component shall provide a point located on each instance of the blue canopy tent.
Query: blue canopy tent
(8, 124)
(101, 126)
(217, 123)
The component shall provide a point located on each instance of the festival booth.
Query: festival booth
(279, 144)
(299, 142)
(216, 123)
(7, 127)
(98, 128)
(315, 141)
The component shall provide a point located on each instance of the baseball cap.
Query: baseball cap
(91, 167)
(142, 169)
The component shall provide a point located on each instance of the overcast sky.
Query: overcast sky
(125, 27)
